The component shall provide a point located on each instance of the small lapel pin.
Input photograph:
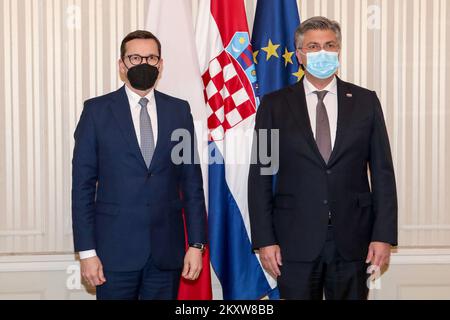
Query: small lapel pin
(349, 95)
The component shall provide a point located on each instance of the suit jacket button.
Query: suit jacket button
(325, 202)
(329, 172)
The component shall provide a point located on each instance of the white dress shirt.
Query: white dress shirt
(135, 108)
(331, 104)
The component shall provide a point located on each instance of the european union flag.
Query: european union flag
(273, 44)
(274, 51)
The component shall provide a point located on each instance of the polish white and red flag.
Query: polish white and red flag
(171, 21)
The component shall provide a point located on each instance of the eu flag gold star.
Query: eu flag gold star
(299, 74)
(287, 57)
(271, 50)
(255, 54)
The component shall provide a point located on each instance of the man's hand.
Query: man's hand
(92, 271)
(271, 260)
(193, 264)
(379, 253)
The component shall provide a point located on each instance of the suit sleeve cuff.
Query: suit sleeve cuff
(87, 254)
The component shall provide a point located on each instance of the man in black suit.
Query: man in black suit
(317, 222)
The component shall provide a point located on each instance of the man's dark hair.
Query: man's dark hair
(138, 34)
(317, 23)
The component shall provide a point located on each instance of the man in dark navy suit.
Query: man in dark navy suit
(128, 193)
(319, 223)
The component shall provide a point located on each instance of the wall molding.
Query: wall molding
(420, 256)
(37, 263)
(60, 262)
(431, 227)
(21, 233)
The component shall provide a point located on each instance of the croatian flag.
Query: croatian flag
(229, 80)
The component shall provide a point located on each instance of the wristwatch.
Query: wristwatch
(200, 246)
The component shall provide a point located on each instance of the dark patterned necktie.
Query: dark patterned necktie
(323, 136)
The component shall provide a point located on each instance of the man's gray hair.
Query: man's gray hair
(317, 23)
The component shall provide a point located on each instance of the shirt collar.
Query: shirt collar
(134, 98)
(310, 88)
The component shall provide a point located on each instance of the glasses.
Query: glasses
(136, 59)
(315, 47)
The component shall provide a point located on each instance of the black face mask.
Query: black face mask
(143, 76)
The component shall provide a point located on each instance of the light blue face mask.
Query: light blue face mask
(322, 64)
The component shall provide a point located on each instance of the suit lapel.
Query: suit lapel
(121, 111)
(298, 106)
(345, 110)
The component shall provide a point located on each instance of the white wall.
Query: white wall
(57, 53)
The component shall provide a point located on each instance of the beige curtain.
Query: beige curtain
(57, 53)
